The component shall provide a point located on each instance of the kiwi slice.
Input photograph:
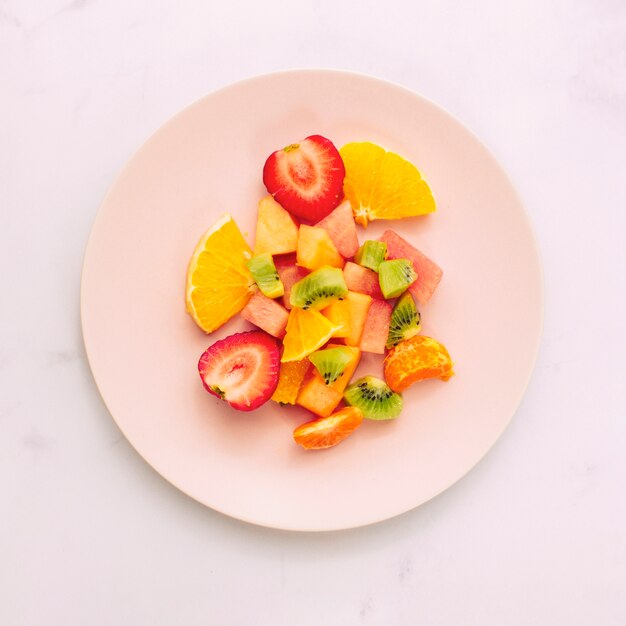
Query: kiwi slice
(371, 254)
(405, 321)
(265, 275)
(319, 288)
(395, 276)
(331, 363)
(374, 397)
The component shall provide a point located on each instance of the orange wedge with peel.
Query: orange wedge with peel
(219, 283)
(383, 185)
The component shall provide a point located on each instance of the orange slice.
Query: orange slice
(306, 332)
(383, 185)
(415, 359)
(290, 379)
(219, 283)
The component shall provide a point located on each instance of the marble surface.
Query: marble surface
(536, 534)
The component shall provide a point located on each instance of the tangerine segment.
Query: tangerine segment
(328, 431)
(415, 359)
(383, 185)
(290, 379)
(306, 332)
(219, 283)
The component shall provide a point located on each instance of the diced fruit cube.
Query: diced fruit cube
(290, 275)
(306, 332)
(375, 398)
(405, 321)
(361, 279)
(316, 396)
(265, 275)
(290, 378)
(342, 382)
(428, 272)
(276, 231)
(395, 276)
(359, 306)
(319, 289)
(339, 313)
(267, 314)
(342, 230)
(330, 363)
(316, 248)
(371, 254)
(285, 260)
(376, 330)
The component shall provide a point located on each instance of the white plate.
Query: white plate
(143, 348)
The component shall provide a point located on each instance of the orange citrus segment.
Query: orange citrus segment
(219, 283)
(383, 185)
(290, 379)
(328, 431)
(306, 332)
(415, 359)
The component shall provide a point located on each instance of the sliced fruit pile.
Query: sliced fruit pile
(318, 297)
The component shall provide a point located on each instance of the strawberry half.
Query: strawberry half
(242, 369)
(306, 178)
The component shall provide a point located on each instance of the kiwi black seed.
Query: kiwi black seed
(265, 275)
(371, 254)
(374, 397)
(405, 321)
(395, 276)
(331, 363)
(319, 288)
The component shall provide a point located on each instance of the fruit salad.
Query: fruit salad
(318, 292)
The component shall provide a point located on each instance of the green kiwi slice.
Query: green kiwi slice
(371, 254)
(395, 276)
(405, 321)
(331, 363)
(265, 275)
(319, 288)
(374, 397)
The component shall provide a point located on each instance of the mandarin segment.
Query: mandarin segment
(328, 431)
(415, 359)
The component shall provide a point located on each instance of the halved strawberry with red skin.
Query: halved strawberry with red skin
(306, 178)
(241, 369)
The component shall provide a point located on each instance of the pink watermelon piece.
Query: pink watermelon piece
(289, 275)
(428, 272)
(266, 313)
(376, 329)
(283, 260)
(361, 279)
(342, 230)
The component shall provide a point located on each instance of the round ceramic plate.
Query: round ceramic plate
(143, 348)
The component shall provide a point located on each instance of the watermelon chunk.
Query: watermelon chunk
(342, 230)
(289, 275)
(376, 330)
(428, 272)
(362, 280)
(266, 313)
